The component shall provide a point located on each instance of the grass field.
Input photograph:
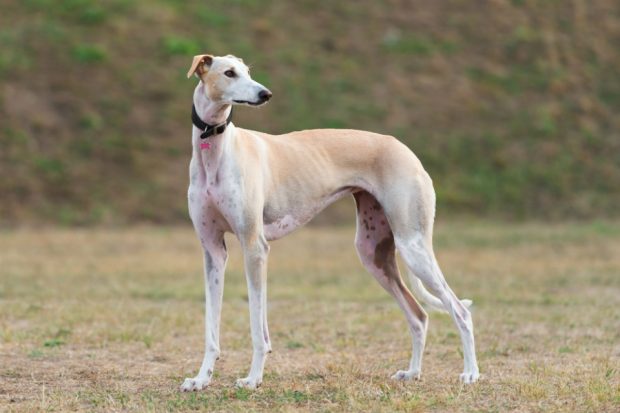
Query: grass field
(112, 320)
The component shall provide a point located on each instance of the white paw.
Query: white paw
(468, 378)
(247, 383)
(195, 384)
(405, 375)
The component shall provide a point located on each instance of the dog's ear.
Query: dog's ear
(200, 64)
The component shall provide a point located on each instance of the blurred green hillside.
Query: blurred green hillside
(512, 106)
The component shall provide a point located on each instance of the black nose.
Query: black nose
(264, 95)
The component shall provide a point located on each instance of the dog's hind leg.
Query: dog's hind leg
(418, 255)
(413, 238)
(375, 246)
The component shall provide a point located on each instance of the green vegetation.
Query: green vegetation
(174, 45)
(89, 53)
(513, 111)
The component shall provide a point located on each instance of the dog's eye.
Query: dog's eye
(230, 73)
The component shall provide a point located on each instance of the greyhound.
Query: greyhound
(261, 187)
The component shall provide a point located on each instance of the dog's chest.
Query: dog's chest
(214, 191)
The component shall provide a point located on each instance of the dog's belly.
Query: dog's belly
(280, 219)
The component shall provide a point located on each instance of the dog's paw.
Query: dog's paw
(469, 377)
(195, 384)
(406, 375)
(247, 383)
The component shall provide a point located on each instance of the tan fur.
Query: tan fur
(332, 160)
(198, 64)
(210, 81)
(261, 187)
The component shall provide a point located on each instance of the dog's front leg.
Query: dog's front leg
(256, 250)
(215, 257)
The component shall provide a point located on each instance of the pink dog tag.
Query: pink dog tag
(205, 145)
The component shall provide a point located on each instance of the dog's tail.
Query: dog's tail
(432, 303)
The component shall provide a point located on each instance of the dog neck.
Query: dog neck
(209, 111)
(208, 152)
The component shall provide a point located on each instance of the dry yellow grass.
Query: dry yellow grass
(112, 320)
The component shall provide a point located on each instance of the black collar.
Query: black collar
(209, 130)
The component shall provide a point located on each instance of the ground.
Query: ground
(112, 320)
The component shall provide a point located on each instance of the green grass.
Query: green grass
(88, 53)
(112, 319)
(175, 45)
(416, 45)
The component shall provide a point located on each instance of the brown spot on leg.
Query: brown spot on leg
(377, 250)
(385, 257)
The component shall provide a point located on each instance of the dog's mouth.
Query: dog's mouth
(247, 102)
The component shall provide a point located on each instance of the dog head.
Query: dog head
(227, 80)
